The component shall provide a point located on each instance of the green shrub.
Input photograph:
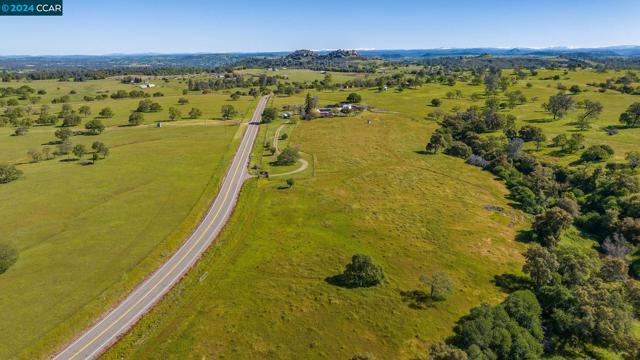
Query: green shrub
(288, 156)
(362, 272)
(9, 173)
(596, 153)
(8, 257)
(459, 149)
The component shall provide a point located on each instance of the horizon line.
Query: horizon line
(556, 47)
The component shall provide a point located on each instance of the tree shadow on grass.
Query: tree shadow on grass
(558, 153)
(338, 280)
(423, 152)
(417, 299)
(539, 121)
(511, 282)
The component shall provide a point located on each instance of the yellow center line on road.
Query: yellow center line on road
(238, 166)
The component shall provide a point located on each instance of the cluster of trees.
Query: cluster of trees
(230, 81)
(94, 98)
(23, 92)
(582, 300)
(21, 119)
(17, 117)
(91, 71)
(147, 105)
(305, 59)
(570, 301)
(64, 145)
(69, 116)
(123, 94)
(623, 84)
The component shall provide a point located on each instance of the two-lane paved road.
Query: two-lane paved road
(118, 321)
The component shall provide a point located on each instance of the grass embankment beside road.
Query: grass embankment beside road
(261, 291)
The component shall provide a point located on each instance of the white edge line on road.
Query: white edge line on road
(239, 163)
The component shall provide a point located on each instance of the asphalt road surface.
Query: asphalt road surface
(118, 321)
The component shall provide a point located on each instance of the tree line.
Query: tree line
(571, 300)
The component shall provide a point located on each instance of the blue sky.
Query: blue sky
(136, 26)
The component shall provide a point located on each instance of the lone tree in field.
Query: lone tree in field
(228, 112)
(106, 113)
(548, 227)
(438, 285)
(100, 149)
(71, 120)
(36, 156)
(183, 101)
(174, 113)
(8, 257)
(631, 117)
(558, 105)
(310, 106)
(354, 98)
(269, 114)
(79, 150)
(66, 109)
(290, 182)
(436, 102)
(195, 113)
(362, 272)
(492, 80)
(9, 173)
(288, 156)
(94, 127)
(84, 110)
(63, 134)
(136, 118)
(592, 110)
(64, 148)
(21, 130)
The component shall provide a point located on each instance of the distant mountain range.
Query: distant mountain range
(204, 60)
(612, 51)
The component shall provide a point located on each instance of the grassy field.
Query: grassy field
(302, 75)
(86, 234)
(261, 293)
(209, 104)
(415, 103)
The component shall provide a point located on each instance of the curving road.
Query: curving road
(118, 321)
